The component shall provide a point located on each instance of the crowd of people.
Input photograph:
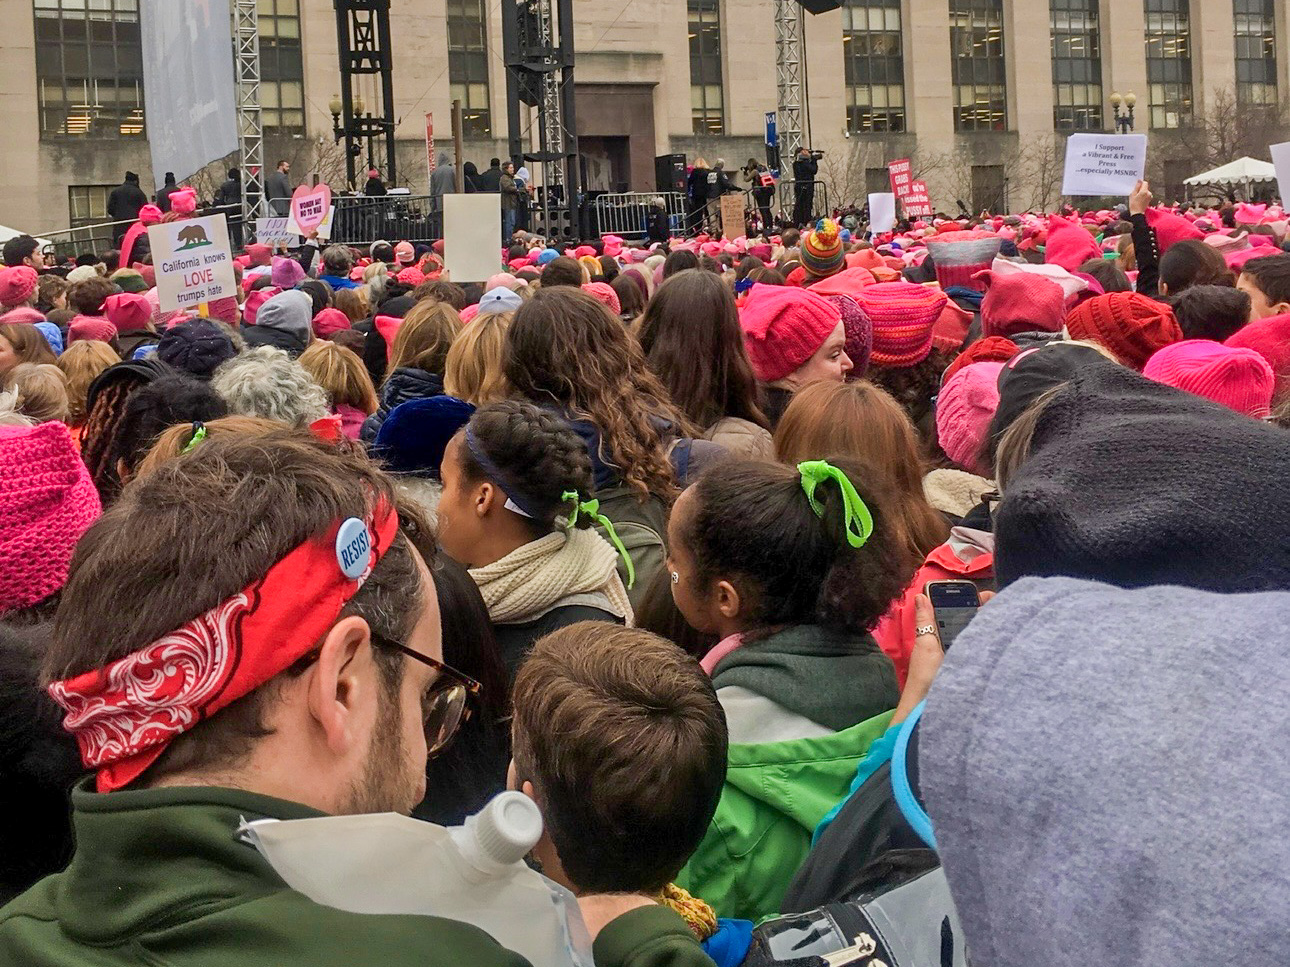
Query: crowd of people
(644, 531)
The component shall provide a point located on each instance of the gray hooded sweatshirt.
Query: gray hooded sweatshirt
(284, 322)
(1108, 775)
(443, 181)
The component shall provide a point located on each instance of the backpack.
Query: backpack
(640, 527)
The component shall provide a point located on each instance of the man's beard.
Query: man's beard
(384, 787)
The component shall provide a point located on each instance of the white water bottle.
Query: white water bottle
(474, 873)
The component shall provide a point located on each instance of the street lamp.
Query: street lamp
(336, 105)
(1123, 122)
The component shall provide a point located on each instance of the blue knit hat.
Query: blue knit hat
(546, 255)
(415, 435)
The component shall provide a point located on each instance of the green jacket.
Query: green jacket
(774, 797)
(160, 879)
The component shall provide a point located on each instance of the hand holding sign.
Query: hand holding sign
(309, 207)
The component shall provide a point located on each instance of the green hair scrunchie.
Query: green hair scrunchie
(856, 517)
(592, 509)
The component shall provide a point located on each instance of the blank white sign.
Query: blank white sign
(472, 236)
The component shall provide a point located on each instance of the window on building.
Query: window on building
(1256, 52)
(87, 204)
(875, 66)
(980, 81)
(89, 68)
(989, 189)
(282, 72)
(1169, 103)
(707, 106)
(1077, 65)
(468, 66)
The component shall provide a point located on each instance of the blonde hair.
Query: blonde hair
(341, 374)
(176, 440)
(424, 338)
(353, 302)
(474, 370)
(42, 391)
(81, 364)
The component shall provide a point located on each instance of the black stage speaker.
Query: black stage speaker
(669, 171)
(820, 6)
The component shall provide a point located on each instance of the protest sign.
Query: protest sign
(918, 203)
(901, 173)
(472, 236)
(324, 230)
(1104, 164)
(193, 261)
(309, 207)
(1281, 161)
(882, 212)
(273, 231)
(732, 216)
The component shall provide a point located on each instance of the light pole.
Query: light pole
(1124, 122)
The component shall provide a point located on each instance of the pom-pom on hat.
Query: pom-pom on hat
(47, 501)
(784, 327)
(821, 249)
(1239, 379)
(903, 316)
(1133, 326)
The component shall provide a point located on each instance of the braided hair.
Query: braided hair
(98, 441)
(537, 455)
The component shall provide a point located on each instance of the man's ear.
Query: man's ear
(343, 685)
(728, 603)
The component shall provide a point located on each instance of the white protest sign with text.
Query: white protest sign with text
(1281, 161)
(324, 229)
(193, 261)
(882, 212)
(472, 236)
(1104, 164)
(273, 231)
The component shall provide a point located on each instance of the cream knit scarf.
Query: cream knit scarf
(541, 575)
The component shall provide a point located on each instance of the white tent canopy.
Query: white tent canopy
(1242, 171)
(7, 233)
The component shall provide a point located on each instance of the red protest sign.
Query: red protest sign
(900, 173)
(918, 203)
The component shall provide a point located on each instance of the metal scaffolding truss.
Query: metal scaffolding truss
(788, 74)
(250, 129)
(366, 50)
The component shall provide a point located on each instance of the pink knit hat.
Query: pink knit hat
(17, 284)
(287, 273)
(1240, 379)
(329, 321)
(604, 293)
(47, 501)
(224, 310)
(784, 327)
(1270, 338)
(846, 282)
(127, 311)
(256, 299)
(1021, 302)
(964, 409)
(1171, 228)
(903, 315)
(90, 327)
(1069, 245)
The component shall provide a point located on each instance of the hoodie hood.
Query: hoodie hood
(289, 312)
(1105, 776)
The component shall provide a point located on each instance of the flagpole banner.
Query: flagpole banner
(189, 92)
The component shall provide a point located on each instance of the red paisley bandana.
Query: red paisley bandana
(124, 715)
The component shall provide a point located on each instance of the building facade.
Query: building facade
(979, 93)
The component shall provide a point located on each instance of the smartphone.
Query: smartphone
(955, 602)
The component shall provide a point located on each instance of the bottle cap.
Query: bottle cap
(508, 827)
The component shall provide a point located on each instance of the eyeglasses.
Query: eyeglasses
(446, 707)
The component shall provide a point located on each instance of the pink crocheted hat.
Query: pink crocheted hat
(47, 501)
(903, 315)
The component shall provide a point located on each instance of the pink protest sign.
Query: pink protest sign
(900, 173)
(309, 206)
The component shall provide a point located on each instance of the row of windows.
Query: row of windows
(89, 66)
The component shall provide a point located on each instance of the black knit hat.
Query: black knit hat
(1134, 483)
(196, 347)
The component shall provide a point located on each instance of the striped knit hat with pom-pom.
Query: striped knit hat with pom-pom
(903, 316)
(821, 249)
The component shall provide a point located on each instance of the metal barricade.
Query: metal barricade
(101, 237)
(361, 220)
(624, 214)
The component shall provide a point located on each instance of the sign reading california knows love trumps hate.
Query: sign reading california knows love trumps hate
(193, 260)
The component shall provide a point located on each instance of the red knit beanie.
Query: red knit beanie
(903, 315)
(784, 327)
(1133, 326)
(1021, 302)
(991, 349)
(1240, 379)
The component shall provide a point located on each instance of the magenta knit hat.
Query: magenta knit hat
(903, 316)
(90, 327)
(1021, 302)
(128, 311)
(286, 273)
(328, 322)
(964, 409)
(1240, 379)
(47, 501)
(859, 330)
(254, 300)
(17, 284)
(1069, 245)
(784, 327)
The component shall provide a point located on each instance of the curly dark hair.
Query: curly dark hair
(441, 291)
(566, 348)
(751, 524)
(537, 454)
(87, 296)
(158, 406)
(914, 387)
